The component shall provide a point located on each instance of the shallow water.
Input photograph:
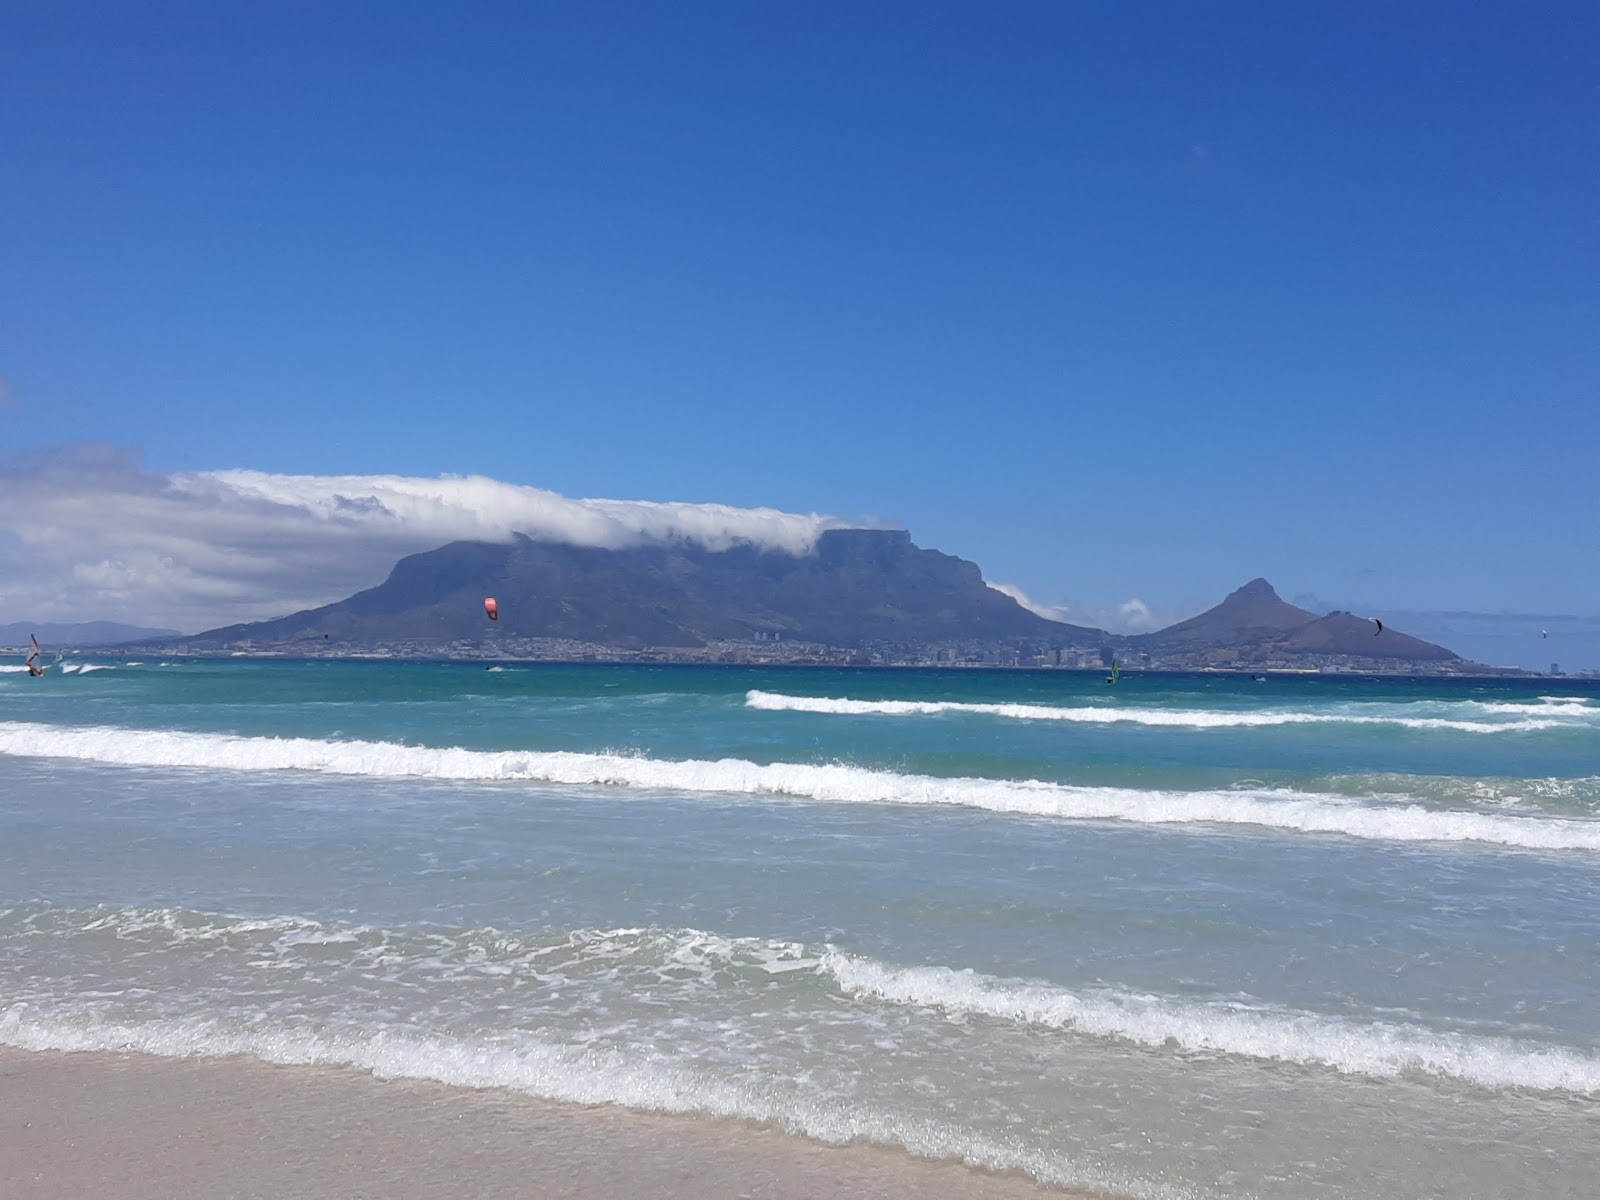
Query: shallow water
(1188, 936)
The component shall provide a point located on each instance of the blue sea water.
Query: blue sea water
(1187, 936)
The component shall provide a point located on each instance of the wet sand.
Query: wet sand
(131, 1127)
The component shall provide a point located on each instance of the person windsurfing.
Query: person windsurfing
(34, 670)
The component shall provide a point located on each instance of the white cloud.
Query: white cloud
(88, 533)
(1131, 616)
(1048, 612)
(1136, 615)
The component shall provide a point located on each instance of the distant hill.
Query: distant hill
(59, 636)
(859, 588)
(859, 585)
(1344, 633)
(1249, 615)
(1255, 623)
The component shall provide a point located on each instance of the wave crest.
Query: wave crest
(1534, 717)
(828, 783)
(1253, 1031)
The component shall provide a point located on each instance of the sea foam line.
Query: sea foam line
(1352, 1048)
(1174, 718)
(834, 784)
(1248, 1030)
(579, 1077)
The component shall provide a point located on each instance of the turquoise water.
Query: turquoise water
(1189, 936)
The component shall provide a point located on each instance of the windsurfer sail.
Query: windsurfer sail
(34, 669)
(1116, 671)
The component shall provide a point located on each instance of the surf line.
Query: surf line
(1279, 809)
(1175, 718)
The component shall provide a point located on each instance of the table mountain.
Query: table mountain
(858, 585)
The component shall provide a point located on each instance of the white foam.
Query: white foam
(1548, 792)
(834, 784)
(1175, 718)
(666, 962)
(1549, 706)
(571, 1074)
(1375, 1050)
(684, 952)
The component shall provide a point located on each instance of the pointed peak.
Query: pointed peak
(1257, 589)
(1247, 613)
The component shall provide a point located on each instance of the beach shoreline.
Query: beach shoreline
(136, 1126)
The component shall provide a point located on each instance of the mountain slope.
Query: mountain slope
(1250, 614)
(1255, 623)
(1344, 633)
(859, 585)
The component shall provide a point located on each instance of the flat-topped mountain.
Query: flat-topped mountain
(858, 585)
(857, 588)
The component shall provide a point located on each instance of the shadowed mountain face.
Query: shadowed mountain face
(1344, 633)
(1252, 614)
(859, 585)
(1255, 619)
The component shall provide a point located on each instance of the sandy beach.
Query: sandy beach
(134, 1126)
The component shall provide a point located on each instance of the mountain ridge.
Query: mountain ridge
(1255, 615)
(859, 589)
(858, 585)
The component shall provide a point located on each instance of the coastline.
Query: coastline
(607, 657)
(136, 1126)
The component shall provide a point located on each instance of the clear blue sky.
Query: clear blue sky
(1116, 299)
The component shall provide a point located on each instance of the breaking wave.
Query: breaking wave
(1533, 717)
(1240, 1028)
(699, 971)
(573, 1076)
(410, 1042)
(1280, 809)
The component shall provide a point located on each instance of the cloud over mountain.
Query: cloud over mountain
(89, 531)
(1131, 616)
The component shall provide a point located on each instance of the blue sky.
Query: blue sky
(1117, 300)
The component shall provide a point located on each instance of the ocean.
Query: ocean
(1188, 936)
